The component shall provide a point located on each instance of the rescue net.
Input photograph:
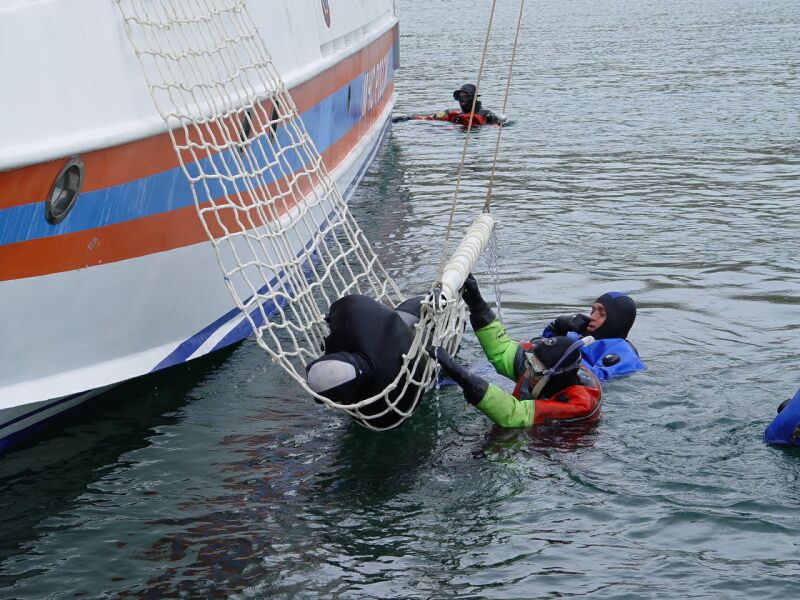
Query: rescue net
(286, 242)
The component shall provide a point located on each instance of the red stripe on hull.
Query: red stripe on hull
(139, 159)
(147, 235)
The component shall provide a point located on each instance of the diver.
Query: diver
(609, 322)
(785, 427)
(364, 353)
(465, 96)
(552, 384)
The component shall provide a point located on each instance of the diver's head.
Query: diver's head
(555, 360)
(612, 316)
(465, 96)
(342, 377)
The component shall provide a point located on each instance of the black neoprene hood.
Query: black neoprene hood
(620, 315)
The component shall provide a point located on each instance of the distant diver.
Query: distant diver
(785, 427)
(552, 384)
(465, 96)
(611, 318)
(364, 353)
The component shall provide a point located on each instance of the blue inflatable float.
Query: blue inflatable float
(785, 428)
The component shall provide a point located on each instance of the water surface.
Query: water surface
(654, 150)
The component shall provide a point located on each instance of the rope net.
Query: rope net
(285, 240)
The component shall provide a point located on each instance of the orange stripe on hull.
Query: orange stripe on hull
(151, 234)
(139, 159)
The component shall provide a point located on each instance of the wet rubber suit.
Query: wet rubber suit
(364, 353)
(480, 116)
(611, 355)
(551, 383)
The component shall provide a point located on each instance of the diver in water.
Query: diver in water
(364, 353)
(785, 427)
(611, 318)
(465, 96)
(552, 384)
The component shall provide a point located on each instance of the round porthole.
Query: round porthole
(64, 191)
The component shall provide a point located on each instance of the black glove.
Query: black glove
(471, 293)
(400, 118)
(474, 387)
(566, 323)
(480, 315)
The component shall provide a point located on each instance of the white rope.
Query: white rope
(488, 200)
(460, 170)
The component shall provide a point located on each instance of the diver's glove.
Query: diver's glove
(480, 315)
(473, 386)
(565, 323)
(400, 118)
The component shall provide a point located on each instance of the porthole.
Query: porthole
(64, 192)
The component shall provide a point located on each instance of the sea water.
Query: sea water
(654, 150)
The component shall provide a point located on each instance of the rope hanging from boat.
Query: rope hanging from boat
(460, 170)
(488, 201)
(283, 236)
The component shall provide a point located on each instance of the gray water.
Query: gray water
(654, 150)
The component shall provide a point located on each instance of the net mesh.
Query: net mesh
(285, 240)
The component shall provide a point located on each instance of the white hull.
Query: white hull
(77, 330)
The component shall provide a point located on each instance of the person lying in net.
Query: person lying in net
(551, 383)
(465, 96)
(363, 354)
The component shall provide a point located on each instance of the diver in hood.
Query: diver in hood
(612, 316)
(364, 353)
(609, 322)
(465, 96)
(552, 383)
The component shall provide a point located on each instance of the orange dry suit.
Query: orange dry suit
(579, 401)
(481, 116)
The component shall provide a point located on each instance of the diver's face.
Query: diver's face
(597, 318)
(465, 102)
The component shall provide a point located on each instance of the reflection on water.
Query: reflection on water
(653, 150)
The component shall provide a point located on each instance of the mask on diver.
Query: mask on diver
(559, 367)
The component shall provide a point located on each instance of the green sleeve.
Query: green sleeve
(505, 410)
(500, 349)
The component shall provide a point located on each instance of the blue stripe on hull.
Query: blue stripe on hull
(327, 123)
(186, 349)
(181, 354)
(16, 438)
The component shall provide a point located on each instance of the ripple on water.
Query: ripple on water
(653, 150)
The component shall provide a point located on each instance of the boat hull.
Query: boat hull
(128, 284)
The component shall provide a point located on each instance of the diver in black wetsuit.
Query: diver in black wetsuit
(364, 353)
